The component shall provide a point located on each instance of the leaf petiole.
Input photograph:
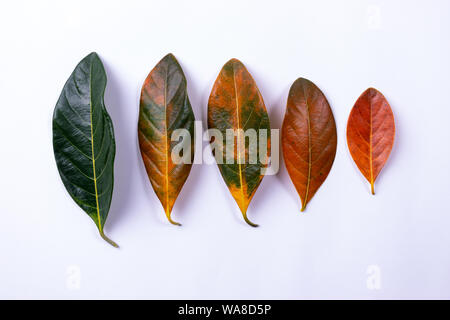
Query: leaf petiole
(108, 240)
(249, 222)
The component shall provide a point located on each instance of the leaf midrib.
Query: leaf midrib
(92, 147)
(309, 149)
(238, 138)
(166, 144)
(370, 143)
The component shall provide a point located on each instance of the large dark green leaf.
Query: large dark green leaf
(83, 140)
(164, 111)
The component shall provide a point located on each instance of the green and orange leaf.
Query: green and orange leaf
(164, 108)
(236, 103)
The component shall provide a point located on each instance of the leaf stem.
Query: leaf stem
(303, 207)
(372, 188)
(171, 221)
(108, 240)
(248, 221)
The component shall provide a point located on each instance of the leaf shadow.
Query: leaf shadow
(190, 188)
(153, 207)
(114, 102)
(283, 175)
(187, 193)
(356, 170)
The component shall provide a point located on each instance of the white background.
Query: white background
(49, 248)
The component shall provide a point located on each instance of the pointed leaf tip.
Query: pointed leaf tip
(170, 56)
(234, 62)
(93, 55)
(302, 81)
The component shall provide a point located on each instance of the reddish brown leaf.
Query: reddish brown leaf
(370, 133)
(308, 138)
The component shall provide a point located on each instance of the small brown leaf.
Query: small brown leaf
(370, 133)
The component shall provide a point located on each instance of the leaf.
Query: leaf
(236, 103)
(308, 138)
(83, 141)
(370, 133)
(164, 109)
